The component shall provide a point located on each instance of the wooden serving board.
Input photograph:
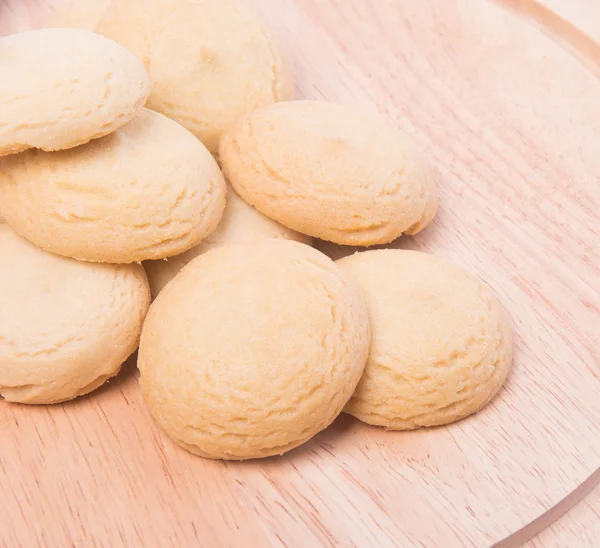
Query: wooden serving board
(505, 98)
(579, 527)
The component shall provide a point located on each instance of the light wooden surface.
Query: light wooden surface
(510, 116)
(575, 24)
(580, 527)
(582, 14)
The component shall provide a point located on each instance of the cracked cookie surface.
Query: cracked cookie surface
(241, 223)
(147, 191)
(209, 61)
(330, 171)
(441, 344)
(252, 350)
(54, 98)
(65, 326)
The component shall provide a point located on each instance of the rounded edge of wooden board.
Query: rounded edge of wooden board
(587, 51)
(584, 48)
(548, 518)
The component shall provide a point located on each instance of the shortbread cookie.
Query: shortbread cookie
(149, 190)
(329, 171)
(241, 223)
(441, 344)
(65, 326)
(60, 88)
(209, 61)
(252, 350)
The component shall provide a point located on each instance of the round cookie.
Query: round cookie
(441, 345)
(241, 223)
(54, 98)
(209, 61)
(329, 171)
(65, 326)
(77, 14)
(252, 350)
(147, 191)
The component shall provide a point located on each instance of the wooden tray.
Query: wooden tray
(505, 98)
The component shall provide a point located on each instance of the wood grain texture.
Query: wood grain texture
(562, 511)
(579, 527)
(562, 26)
(511, 122)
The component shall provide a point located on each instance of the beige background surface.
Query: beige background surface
(504, 98)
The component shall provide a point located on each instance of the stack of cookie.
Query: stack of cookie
(161, 156)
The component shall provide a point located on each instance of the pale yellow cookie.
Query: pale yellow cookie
(330, 171)
(441, 345)
(209, 61)
(252, 350)
(147, 191)
(241, 223)
(65, 326)
(60, 88)
(77, 14)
